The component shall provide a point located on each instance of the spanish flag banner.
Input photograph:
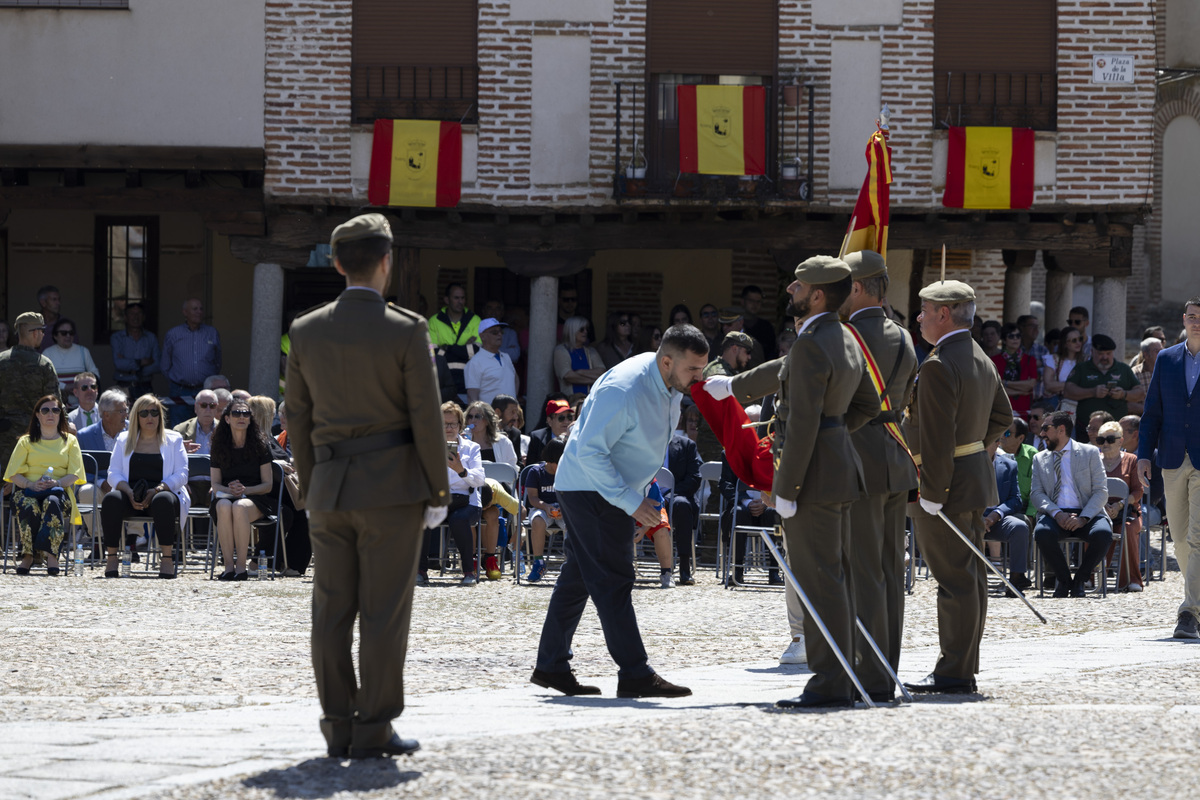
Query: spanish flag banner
(415, 163)
(722, 130)
(989, 168)
(869, 223)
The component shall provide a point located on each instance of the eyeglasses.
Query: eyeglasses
(1108, 439)
(1075, 322)
(565, 416)
(454, 424)
(148, 412)
(49, 410)
(244, 413)
(88, 387)
(207, 405)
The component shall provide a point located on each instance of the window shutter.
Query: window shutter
(1006, 37)
(414, 32)
(712, 37)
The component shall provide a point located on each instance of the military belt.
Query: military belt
(960, 451)
(884, 418)
(832, 422)
(363, 444)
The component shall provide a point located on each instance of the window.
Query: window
(414, 59)
(126, 271)
(64, 3)
(994, 63)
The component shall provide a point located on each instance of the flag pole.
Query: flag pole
(846, 238)
(943, 262)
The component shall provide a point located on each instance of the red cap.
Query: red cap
(557, 406)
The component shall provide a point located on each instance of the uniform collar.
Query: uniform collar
(868, 312)
(954, 332)
(810, 321)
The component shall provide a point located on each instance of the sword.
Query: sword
(990, 565)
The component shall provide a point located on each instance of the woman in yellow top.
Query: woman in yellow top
(44, 466)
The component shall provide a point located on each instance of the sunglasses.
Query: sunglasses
(148, 412)
(243, 413)
(65, 333)
(90, 387)
(1013, 336)
(566, 416)
(1108, 439)
(474, 416)
(1046, 427)
(1074, 322)
(207, 405)
(49, 410)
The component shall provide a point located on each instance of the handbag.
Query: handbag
(139, 489)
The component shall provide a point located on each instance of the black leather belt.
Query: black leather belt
(832, 422)
(884, 418)
(363, 444)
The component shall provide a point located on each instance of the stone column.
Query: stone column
(543, 325)
(1058, 298)
(1018, 286)
(265, 327)
(1108, 311)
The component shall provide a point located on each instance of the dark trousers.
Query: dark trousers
(460, 521)
(599, 564)
(365, 569)
(116, 508)
(1015, 531)
(877, 564)
(683, 524)
(298, 543)
(1098, 535)
(962, 587)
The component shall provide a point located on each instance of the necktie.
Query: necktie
(1057, 473)
(499, 360)
(89, 417)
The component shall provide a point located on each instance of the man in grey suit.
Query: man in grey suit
(1069, 490)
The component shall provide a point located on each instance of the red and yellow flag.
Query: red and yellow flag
(722, 130)
(415, 163)
(989, 168)
(869, 223)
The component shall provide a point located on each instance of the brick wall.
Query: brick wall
(757, 268)
(635, 293)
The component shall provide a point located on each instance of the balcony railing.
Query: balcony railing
(1001, 99)
(415, 92)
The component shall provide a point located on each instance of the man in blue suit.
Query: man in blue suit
(1171, 424)
(114, 409)
(1006, 522)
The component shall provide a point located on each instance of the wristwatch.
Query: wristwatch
(462, 474)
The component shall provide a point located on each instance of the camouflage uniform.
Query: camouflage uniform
(25, 376)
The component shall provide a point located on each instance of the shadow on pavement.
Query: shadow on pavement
(325, 777)
(651, 704)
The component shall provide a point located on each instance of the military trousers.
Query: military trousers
(962, 587)
(818, 538)
(365, 568)
(877, 564)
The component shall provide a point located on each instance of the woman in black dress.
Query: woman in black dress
(241, 484)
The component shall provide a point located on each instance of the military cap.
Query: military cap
(731, 314)
(1103, 343)
(820, 270)
(948, 293)
(31, 319)
(364, 226)
(739, 338)
(865, 264)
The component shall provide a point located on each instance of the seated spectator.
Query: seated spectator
(197, 432)
(617, 344)
(1018, 370)
(1006, 521)
(224, 398)
(494, 496)
(1014, 444)
(484, 428)
(575, 363)
(510, 343)
(683, 461)
(296, 544)
(243, 395)
(508, 410)
(135, 352)
(559, 418)
(749, 511)
(1097, 419)
(1131, 425)
(148, 473)
(242, 485)
(69, 359)
(490, 372)
(689, 423)
(465, 469)
(1144, 368)
(680, 315)
(542, 502)
(1118, 464)
(86, 391)
(216, 382)
(114, 415)
(43, 467)
(1037, 414)
(991, 337)
(1070, 491)
(1102, 384)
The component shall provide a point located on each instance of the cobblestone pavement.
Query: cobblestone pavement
(197, 689)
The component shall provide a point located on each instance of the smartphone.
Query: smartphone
(451, 449)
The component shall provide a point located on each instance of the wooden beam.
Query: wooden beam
(130, 201)
(122, 157)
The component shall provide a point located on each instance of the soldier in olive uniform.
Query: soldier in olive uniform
(877, 521)
(824, 394)
(366, 432)
(25, 376)
(958, 408)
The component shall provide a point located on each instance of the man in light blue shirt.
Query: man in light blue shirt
(618, 444)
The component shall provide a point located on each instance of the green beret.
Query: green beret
(739, 338)
(364, 226)
(865, 264)
(32, 319)
(948, 293)
(731, 314)
(820, 270)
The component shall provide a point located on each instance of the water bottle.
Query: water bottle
(262, 565)
(467, 433)
(521, 563)
(78, 561)
(502, 533)
(48, 475)
(126, 563)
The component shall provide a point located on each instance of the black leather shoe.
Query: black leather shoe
(564, 682)
(1062, 590)
(1077, 590)
(686, 579)
(879, 698)
(392, 747)
(652, 685)
(810, 700)
(939, 684)
(338, 752)
(1021, 582)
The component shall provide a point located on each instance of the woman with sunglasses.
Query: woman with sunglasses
(1057, 367)
(576, 364)
(242, 485)
(1119, 464)
(44, 465)
(149, 475)
(617, 344)
(69, 359)
(1018, 370)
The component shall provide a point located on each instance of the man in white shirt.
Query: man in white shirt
(1069, 489)
(490, 372)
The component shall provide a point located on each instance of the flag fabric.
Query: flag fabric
(989, 168)
(869, 222)
(415, 163)
(749, 456)
(722, 130)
